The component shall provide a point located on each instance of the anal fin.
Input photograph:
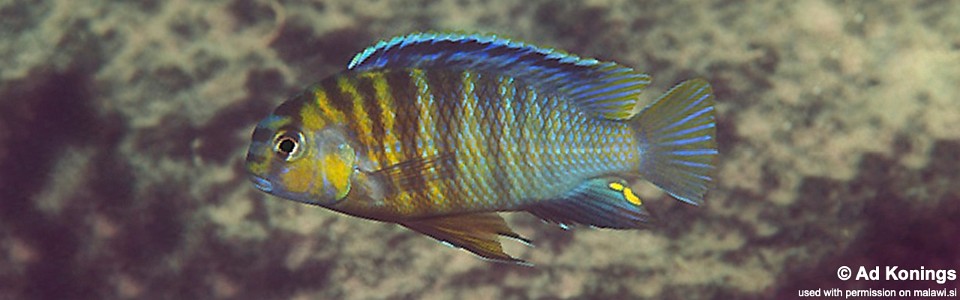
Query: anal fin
(477, 233)
(599, 202)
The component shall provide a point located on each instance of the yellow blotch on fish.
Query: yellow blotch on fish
(627, 192)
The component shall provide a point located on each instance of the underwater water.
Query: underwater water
(124, 125)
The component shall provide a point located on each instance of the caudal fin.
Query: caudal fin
(677, 136)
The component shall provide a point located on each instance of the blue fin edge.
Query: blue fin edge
(605, 88)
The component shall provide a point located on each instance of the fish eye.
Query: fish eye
(287, 145)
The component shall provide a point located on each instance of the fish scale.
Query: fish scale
(567, 162)
(475, 177)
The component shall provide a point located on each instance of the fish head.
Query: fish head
(295, 161)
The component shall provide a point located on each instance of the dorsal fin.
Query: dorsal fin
(606, 88)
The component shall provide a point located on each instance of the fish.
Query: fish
(442, 132)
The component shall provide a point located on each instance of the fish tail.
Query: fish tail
(677, 138)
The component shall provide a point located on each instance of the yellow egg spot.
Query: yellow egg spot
(627, 192)
(616, 186)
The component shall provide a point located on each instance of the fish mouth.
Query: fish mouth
(261, 184)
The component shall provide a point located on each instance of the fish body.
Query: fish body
(439, 132)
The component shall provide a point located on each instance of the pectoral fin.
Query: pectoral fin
(476, 233)
(414, 174)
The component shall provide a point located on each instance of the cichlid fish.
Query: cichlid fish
(439, 132)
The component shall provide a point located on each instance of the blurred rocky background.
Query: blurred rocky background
(123, 126)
